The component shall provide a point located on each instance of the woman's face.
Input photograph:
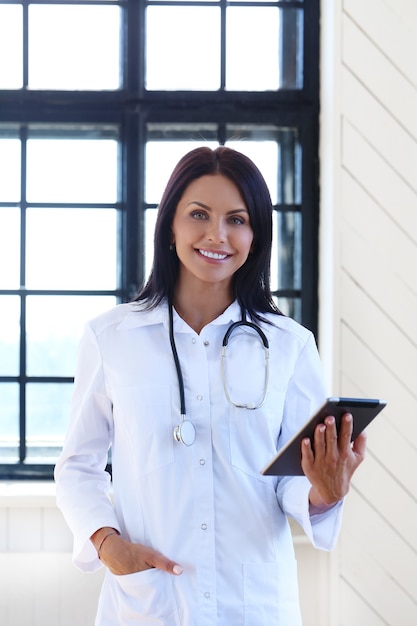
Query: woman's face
(211, 230)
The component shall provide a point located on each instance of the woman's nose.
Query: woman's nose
(216, 231)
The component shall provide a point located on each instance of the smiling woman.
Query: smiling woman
(226, 554)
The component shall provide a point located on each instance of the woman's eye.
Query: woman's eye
(237, 220)
(198, 215)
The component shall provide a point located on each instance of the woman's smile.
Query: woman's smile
(213, 256)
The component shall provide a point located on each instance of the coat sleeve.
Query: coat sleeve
(305, 394)
(82, 484)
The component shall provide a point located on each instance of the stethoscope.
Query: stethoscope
(185, 432)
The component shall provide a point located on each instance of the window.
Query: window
(92, 120)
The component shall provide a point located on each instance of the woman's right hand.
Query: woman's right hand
(124, 557)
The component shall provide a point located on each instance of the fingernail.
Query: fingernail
(177, 569)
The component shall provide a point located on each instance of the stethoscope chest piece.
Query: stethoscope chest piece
(185, 433)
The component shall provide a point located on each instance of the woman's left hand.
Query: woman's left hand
(331, 465)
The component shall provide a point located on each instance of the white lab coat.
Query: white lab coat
(206, 506)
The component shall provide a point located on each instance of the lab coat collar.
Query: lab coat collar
(138, 317)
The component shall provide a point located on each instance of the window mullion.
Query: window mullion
(22, 347)
(25, 45)
(133, 46)
(223, 43)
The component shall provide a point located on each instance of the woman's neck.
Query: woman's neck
(201, 306)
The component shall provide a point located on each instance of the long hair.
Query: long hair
(251, 281)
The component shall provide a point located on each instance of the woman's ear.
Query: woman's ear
(172, 242)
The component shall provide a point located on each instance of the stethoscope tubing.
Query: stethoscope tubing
(185, 432)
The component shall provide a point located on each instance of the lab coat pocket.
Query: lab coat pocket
(254, 434)
(148, 594)
(271, 594)
(143, 424)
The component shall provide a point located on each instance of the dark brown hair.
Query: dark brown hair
(252, 280)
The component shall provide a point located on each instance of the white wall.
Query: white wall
(369, 297)
(39, 586)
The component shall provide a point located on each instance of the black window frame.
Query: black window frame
(132, 108)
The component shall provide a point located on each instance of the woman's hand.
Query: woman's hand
(332, 464)
(123, 557)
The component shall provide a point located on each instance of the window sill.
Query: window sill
(19, 493)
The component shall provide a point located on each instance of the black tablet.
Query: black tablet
(287, 461)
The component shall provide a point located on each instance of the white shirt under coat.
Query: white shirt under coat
(207, 507)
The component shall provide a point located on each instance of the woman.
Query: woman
(194, 535)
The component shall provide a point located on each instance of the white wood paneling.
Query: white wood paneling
(379, 76)
(371, 375)
(379, 180)
(395, 558)
(39, 585)
(45, 589)
(381, 130)
(375, 307)
(389, 30)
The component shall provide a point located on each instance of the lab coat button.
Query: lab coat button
(202, 461)
(199, 397)
(207, 595)
(193, 340)
(203, 526)
(206, 343)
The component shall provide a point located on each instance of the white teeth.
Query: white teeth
(213, 255)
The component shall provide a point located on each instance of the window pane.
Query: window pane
(286, 251)
(74, 47)
(9, 248)
(10, 170)
(292, 53)
(264, 154)
(11, 47)
(261, 1)
(277, 153)
(193, 1)
(161, 158)
(182, 48)
(9, 336)
(290, 307)
(71, 249)
(289, 189)
(9, 422)
(150, 219)
(54, 327)
(72, 170)
(47, 410)
(252, 48)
